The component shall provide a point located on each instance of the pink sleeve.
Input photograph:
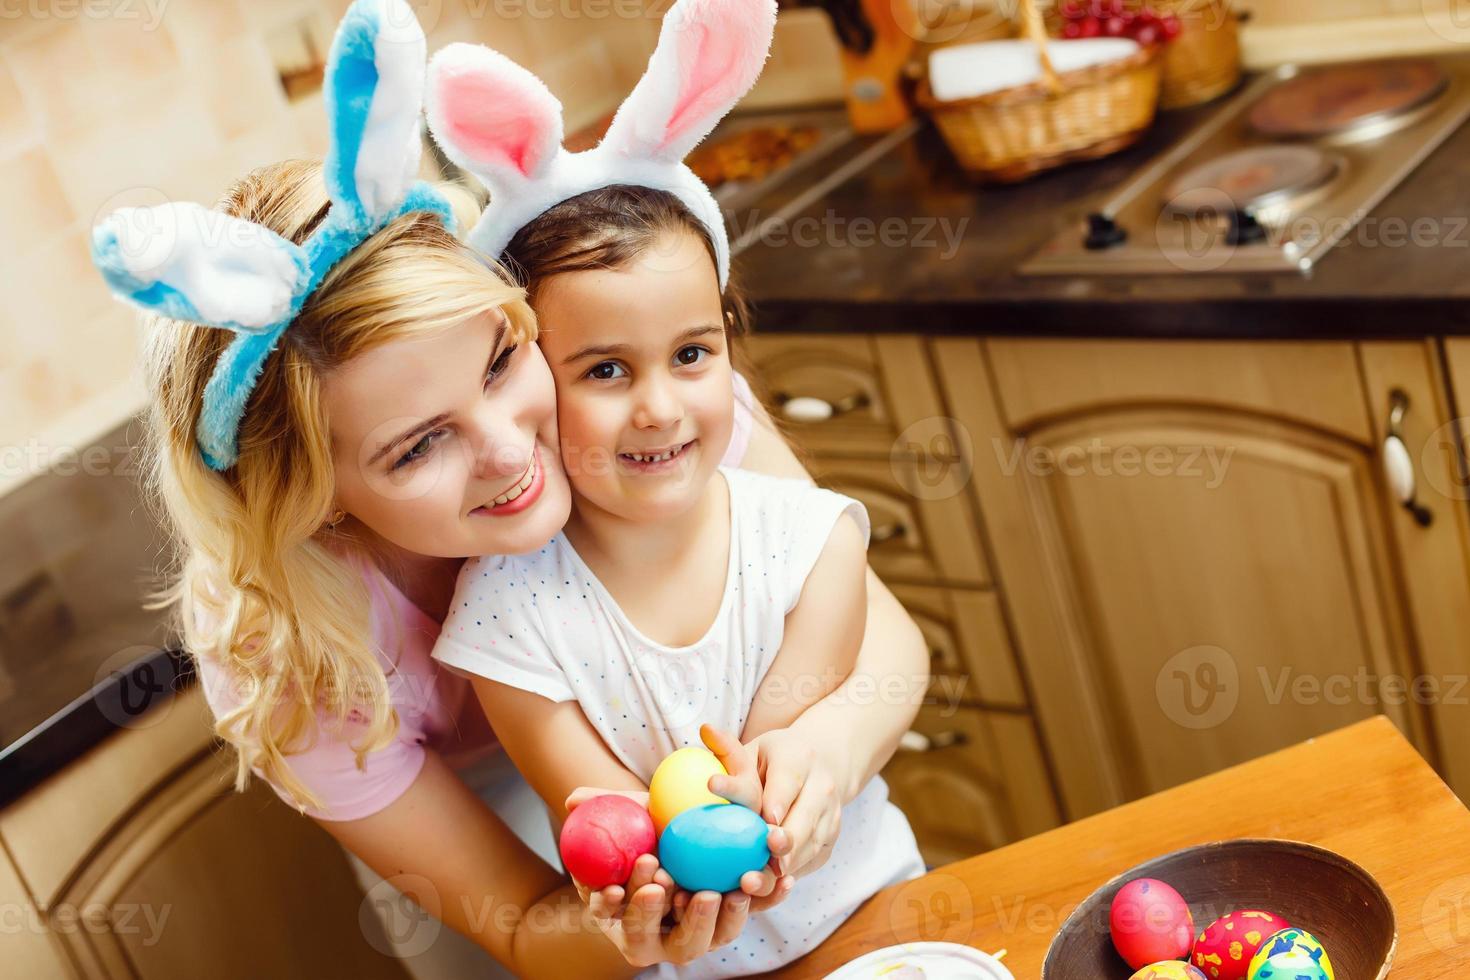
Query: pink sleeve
(744, 422)
(329, 766)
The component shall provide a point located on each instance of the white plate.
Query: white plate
(939, 961)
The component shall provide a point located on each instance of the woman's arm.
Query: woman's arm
(443, 847)
(854, 731)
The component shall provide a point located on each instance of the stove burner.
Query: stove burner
(1251, 180)
(1345, 98)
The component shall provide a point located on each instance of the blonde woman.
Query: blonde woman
(346, 401)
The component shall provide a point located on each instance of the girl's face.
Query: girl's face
(643, 379)
(446, 445)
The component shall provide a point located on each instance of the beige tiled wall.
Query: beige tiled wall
(1320, 11)
(114, 102)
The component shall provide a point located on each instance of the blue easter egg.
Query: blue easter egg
(708, 848)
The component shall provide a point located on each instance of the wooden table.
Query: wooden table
(1366, 794)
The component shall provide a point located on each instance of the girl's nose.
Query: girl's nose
(658, 406)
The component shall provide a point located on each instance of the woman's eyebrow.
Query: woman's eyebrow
(442, 417)
(603, 350)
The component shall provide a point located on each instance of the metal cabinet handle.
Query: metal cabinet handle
(1398, 464)
(806, 408)
(918, 742)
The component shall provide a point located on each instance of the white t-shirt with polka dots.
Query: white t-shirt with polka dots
(544, 623)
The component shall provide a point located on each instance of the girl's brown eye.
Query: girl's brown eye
(605, 371)
(691, 354)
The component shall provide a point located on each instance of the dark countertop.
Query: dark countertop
(1366, 287)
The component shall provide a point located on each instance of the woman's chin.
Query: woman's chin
(527, 530)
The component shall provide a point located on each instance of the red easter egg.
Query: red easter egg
(1150, 922)
(603, 837)
(1224, 949)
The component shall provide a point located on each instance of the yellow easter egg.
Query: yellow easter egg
(681, 782)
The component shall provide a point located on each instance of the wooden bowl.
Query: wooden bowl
(1313, 889)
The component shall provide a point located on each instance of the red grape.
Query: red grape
(1171, 26)
(1072, 29)
(1074, 10)
(1091, 27)
(1115, 27)
(1147, 35)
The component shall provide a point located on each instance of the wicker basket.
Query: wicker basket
(1012, 134)
(1203, 62)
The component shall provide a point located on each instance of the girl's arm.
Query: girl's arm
(822, 635)
(443, 847)
(552, 743)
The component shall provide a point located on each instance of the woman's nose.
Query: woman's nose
(658, 406)
(498, 451)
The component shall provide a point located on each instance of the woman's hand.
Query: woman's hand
(651, 920)
(633, 917)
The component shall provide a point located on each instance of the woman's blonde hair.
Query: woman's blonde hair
(259, 581)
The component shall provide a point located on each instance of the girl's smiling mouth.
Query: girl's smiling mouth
(654, 461)
(522, 494)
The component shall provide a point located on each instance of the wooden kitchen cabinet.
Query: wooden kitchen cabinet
(973, 774)
(1199, 552)
(971, 780)
(140, 860)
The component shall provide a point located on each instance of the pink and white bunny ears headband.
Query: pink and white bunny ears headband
(191, 262)
(498, 121)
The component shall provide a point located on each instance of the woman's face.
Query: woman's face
(446, 445)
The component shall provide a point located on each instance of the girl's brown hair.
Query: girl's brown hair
(605, 229)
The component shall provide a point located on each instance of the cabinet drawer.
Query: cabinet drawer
(969, 646)
(52, 829)
(924, 537)
(849, 395)
(971, 781)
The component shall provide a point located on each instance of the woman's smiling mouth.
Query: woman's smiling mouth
(522, 494)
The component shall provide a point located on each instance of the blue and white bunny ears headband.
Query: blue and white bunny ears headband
(498, 121)
(193, 263)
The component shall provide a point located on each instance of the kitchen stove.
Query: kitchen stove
(1282, 173)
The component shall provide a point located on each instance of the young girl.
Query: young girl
(311, 574)
(680, 592)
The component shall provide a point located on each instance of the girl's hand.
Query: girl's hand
(743, 786)
(800, 795)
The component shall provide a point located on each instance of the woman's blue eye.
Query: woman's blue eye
(606, 371)
(419, 449)
(501, 363)
(692, 354)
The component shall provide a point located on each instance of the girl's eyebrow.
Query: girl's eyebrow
(442, 417)
(603, 350)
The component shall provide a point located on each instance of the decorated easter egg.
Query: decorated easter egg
(681, 782)
(710, 847)
(1291, 954)
(1225, 948)
(1150, 922)
(603, 837)
(1169, 970)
